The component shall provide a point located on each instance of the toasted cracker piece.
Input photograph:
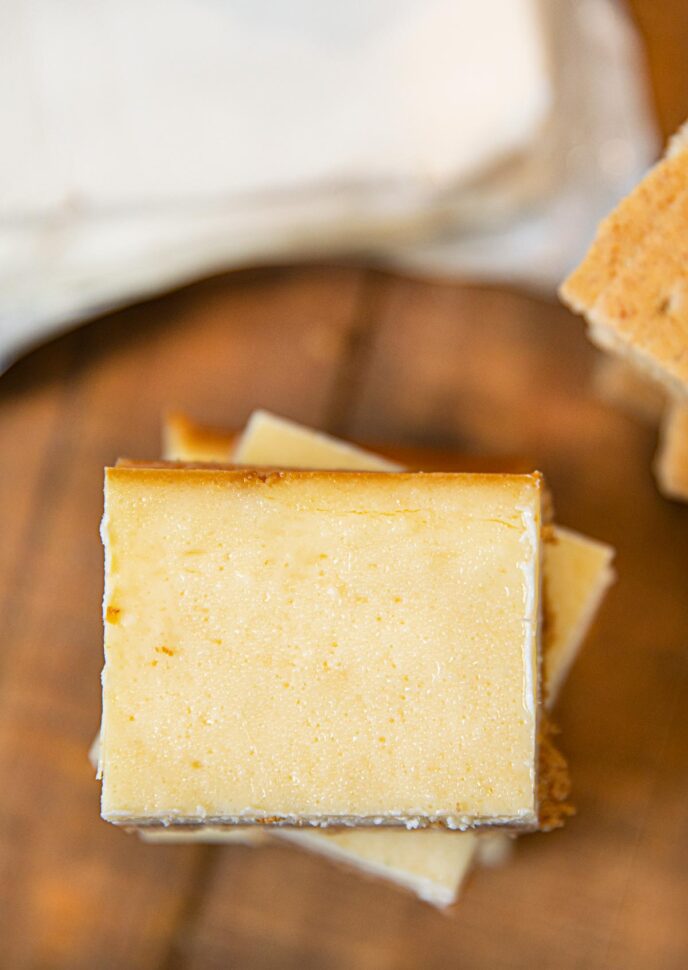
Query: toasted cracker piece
(632, 286)
(671, 462)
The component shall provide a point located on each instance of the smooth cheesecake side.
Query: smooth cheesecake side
(295, 446)
(578, 572)
(410, 695)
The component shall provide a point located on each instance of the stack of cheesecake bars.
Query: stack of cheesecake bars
(305, 641)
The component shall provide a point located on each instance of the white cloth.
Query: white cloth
(146, 143)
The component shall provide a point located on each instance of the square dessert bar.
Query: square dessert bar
(324, 648)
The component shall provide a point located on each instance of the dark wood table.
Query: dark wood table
(380, 359)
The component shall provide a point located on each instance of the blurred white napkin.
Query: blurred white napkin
(146, 143)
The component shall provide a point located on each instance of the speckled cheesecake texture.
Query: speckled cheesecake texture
(275, 641)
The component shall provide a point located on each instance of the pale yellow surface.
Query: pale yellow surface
(222, 703)
(433, 865)
(430, 864)
(268, 435)
(671, 463)
(578, 572)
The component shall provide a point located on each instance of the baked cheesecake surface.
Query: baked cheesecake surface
(321, 648)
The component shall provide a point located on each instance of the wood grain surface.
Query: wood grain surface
(400, 363)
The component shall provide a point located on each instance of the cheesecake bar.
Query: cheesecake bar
(321, 648)
(632, 285)
(671, 462)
